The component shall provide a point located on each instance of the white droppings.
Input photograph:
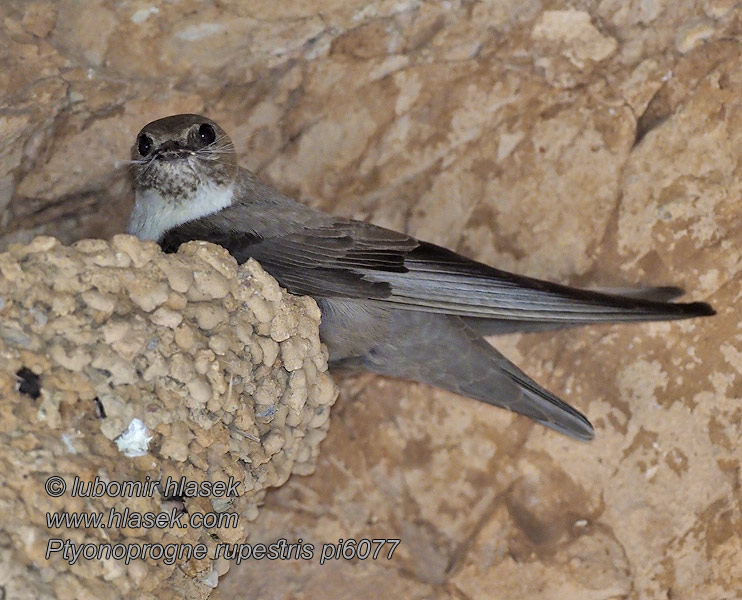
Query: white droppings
(135, 440)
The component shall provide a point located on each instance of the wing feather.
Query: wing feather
(325, 256)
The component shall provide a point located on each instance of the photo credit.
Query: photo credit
(123, 518)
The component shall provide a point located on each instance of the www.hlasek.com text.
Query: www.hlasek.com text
(129, 519)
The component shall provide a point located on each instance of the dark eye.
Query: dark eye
(144, 144)
(206, 134)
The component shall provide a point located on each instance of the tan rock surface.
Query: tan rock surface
(591, 143)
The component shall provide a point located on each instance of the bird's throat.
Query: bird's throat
(155, 212)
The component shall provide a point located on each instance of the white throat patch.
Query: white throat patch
(153, 215)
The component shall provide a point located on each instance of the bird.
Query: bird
(390, 304)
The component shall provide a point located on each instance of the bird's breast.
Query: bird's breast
(156, 213)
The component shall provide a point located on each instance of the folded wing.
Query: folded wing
(324, 256)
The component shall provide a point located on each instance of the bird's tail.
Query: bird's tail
(659, 308)
(443, 351)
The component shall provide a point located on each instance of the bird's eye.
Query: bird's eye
(206, 134)
(144, 144)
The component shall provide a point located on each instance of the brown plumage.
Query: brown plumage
(390, 303)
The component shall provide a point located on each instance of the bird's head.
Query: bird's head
(178, 154)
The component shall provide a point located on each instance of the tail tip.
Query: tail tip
(701, 309)
(577, 427)
(584, 431)
(585, 435)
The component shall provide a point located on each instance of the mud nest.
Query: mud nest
(121, 363)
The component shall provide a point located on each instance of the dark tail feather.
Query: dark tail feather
(656, 299)
(439, 280)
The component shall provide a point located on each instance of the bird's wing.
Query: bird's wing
(325, 256)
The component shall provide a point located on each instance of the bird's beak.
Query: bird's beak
(170, 150)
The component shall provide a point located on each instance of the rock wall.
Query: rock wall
(588, 142)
